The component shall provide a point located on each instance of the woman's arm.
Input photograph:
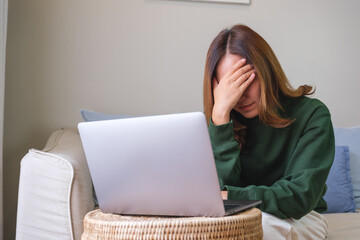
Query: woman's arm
(226, 153)
(302, 187)
(228, 88)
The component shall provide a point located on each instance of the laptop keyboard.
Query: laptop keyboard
(230, 206)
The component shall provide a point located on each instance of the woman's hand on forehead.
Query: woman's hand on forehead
(228, 91)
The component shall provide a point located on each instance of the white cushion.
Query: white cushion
(55, 189)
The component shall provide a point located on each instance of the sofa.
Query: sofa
(343, 193)
(55, 188)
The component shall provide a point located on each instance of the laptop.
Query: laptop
(156, 165)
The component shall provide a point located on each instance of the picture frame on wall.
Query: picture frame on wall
(223, 1)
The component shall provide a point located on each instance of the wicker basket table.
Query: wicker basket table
(244, 225)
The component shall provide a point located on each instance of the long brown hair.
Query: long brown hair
(243, 41)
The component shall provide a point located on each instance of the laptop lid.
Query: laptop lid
(157, 165)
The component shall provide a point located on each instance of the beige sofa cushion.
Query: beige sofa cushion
(55, 190)
(344, 226)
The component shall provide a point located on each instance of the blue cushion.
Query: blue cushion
(90, 116)
(351, 137)
(339, 195)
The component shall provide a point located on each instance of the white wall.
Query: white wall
(147, 57)
(3, 28)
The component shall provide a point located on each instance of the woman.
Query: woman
(270, 141)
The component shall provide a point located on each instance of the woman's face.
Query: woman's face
(248, 104)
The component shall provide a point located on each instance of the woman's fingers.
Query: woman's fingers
(247, 83)
(244, 77)
(241, 71)
(240, 63)
(236, 67)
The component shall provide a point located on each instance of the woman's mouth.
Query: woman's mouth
(245, 107)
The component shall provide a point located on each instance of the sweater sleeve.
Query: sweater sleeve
(226, 153)
(303, 185)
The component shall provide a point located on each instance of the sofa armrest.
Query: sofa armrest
(55, 189)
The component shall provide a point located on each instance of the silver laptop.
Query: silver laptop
(157, 165)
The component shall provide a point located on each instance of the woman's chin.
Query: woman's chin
(248, 114)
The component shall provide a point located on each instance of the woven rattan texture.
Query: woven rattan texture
(245, 225)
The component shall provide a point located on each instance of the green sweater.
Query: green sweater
(287, 167)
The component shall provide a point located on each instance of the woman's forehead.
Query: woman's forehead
(226, 63)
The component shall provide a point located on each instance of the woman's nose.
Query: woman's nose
(244, 95)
